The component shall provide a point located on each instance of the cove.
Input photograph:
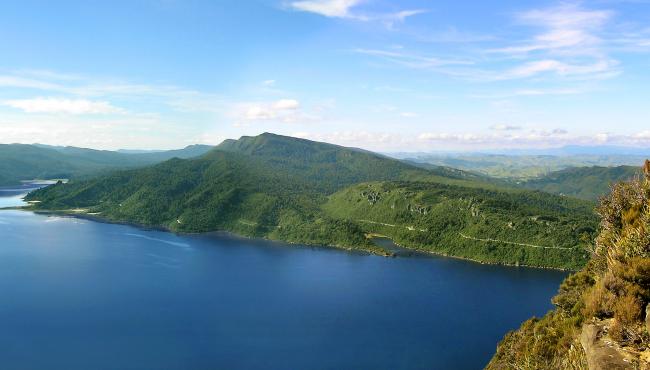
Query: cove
(79, 294)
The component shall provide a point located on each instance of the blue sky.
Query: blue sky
(382, 75)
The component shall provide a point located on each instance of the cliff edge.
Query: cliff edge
(602, 314)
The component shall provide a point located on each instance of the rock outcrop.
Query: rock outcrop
(602, 353)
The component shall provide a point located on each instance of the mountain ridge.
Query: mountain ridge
(19, 162)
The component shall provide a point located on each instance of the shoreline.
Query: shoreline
(95, 218)
(388, 254)
(426, 252)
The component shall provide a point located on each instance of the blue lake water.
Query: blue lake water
(78, 294)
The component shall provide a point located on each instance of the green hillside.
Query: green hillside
(582, 182)
(331, 167)
(302, 191)
(496, 226)
(26, 162)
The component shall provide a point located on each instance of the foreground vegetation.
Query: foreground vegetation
(307, 192)
(601, 319)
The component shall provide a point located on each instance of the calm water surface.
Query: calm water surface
(78, 294)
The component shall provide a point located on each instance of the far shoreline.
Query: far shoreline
(417, 252)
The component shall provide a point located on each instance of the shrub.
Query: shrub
(627, 310)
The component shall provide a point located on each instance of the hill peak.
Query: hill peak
(270, 144)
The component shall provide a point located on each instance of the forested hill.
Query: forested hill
(334, 166)
(582, 182)
(26, 162)
(308, 192)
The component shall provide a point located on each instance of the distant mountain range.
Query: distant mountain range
(309, 192)
(524, 166)
(20, 162)
(568, 150)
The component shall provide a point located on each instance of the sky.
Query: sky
(408, 75)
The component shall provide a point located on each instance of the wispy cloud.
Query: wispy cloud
(473, 141)
(505, 127)
(598, 69)
(359, 138)
(70, 109)
(528, 139)
(533, 92)
(28, 83)
(283, 110)
(451, 35)
(58, 105)
(345, 9)
(567, 28)
(411, 60)
(327, 8)
(569, 42)
(83, 88)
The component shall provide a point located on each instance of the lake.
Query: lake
(78, 294)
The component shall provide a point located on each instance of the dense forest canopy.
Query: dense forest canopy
(309, 192)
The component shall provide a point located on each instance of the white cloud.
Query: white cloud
(454, 36)
(27, 83)
(344, 9)
(286, 104)
(59, 105)
(434, 141)
(83, 88)
(533, 92)
(402, 15)
(570, 43)
(366, 139)
(556, 67)
(644, 135)
(529, 139)
(415, 61)
(283, 110)
(539, 92)
(567, 28)
(409, 115)
(327, 8)
(504, 127)
(453, 137)
(95, 131)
